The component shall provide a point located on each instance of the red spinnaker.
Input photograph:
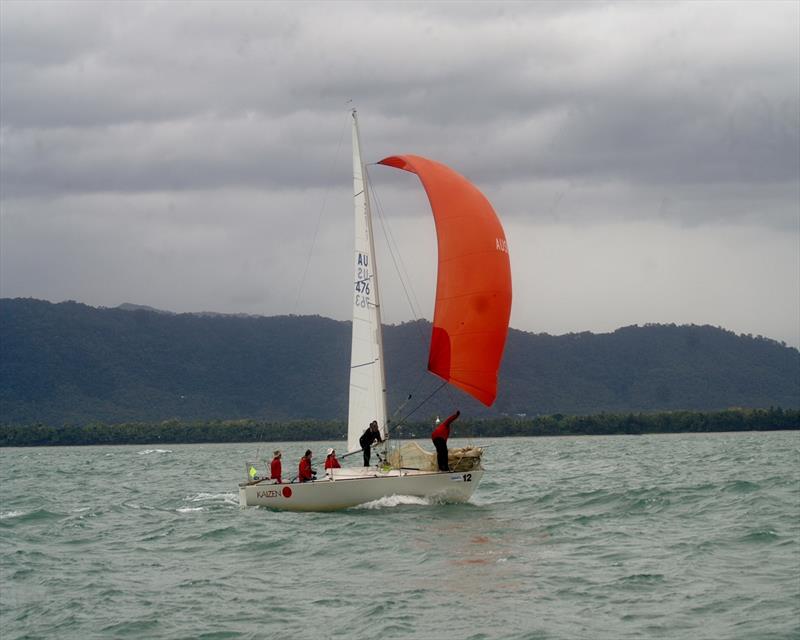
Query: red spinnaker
(473, 287)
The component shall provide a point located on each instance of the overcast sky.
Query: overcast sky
(644, 158)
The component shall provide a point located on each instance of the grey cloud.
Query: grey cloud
(153, 134)
(662, 107)
(198, 153)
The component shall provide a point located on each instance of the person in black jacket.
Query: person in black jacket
(367, 438)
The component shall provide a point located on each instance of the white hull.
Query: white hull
(349, 488)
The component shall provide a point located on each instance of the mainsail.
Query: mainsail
(367, 377)
(473, 288)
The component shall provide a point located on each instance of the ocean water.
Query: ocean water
(657, 536)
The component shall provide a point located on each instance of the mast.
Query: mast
(367, 373)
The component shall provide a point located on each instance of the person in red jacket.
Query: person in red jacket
(275, 467)
(439, 436)
(305, 473)
(331, 462)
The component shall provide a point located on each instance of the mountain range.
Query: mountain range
(69, 363)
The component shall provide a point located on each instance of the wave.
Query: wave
(762, 535)
(149, 451)
(219, 534)
(28, 516)
(388, 502)
(189, 509)
(229, 498)
(642, 579)
(137, 506)
(11, 514)
(741, 486)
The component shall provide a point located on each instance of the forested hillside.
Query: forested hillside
(71, 363)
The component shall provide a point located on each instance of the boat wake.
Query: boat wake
(394, 501)
(199, 502)
(189, 509)
(229, 498)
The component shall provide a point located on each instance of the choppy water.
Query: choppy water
(661, 536)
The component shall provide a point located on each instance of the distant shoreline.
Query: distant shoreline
(222, 431)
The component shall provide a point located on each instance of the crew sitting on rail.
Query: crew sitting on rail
(330, 461)
(275, 467)
(305, 473)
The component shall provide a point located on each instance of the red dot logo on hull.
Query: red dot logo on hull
(287, 492)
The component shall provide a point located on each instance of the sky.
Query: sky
(644, 158)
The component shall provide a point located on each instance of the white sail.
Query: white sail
(367, 377)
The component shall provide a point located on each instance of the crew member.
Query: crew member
(367, 438)
(439, 436)
(305, 473)
(275, 467)
(330, 461)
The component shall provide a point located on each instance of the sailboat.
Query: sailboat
(472, 309)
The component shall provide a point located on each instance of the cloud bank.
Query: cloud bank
(643, 157)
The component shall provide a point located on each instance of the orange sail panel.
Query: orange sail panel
(473, 287)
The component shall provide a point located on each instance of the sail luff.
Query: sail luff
(367, 374)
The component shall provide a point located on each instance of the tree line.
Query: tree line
(220, 431)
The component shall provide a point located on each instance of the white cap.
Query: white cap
(330, 451)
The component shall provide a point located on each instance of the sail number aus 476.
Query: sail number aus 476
(362, 280)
